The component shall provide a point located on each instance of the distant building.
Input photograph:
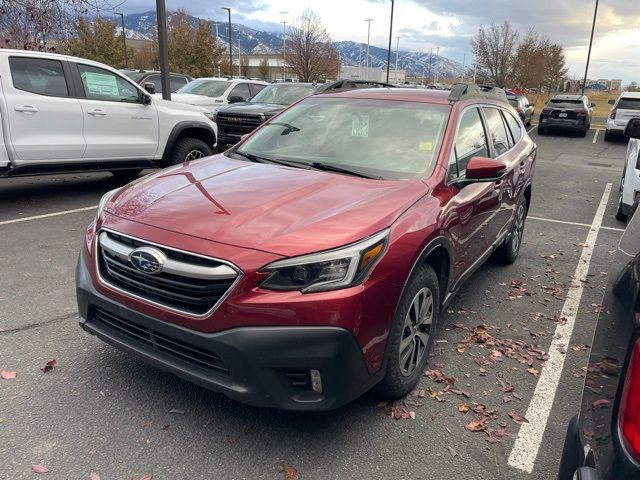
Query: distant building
(600, 85)
(375, 74)
(250, 67)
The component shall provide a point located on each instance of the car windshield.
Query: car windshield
(565, 103)
(208, 88)
(379, 138)
(513, 101)
(629, 104)
(283, 94)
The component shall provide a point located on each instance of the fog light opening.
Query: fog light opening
(316, 380)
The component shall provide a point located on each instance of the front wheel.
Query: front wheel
(508, 252)
(411, 334)
(187, 149)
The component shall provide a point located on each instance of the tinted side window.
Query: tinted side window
(255, 88)
(471, 140)
(156, 80)
(496, 131)
(510, 138)
(176, 82)
(514, 126)
(37, 75)
(241, 90)
(101, 84)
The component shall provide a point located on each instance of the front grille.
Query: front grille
(188, 283)
(233, 124)
(183, 351)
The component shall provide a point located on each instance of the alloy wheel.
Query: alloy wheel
(193, 155)
(416, 331)
(518, 228)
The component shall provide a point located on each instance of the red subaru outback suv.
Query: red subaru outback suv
(310, 262)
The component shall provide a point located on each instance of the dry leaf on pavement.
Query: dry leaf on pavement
(39, 468)
(49, 366)
(7, 375)
(94, 476)
(289, 472)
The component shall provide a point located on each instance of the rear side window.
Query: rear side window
(255, 88)
(514, 126)
(471, 141)
(241, 90)
(496, 131)
(176, 82)
(629, 103)
(101, 84)
(39, 75)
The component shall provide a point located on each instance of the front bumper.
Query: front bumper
(261, 366)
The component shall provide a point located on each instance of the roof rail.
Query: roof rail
(460, 91)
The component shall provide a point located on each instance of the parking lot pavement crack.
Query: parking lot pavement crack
(37, 324)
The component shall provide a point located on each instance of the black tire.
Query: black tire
(583, 133)
(619, 213)
(541, 131)
(507, 253)
(608, 137)
(126, 175)
(187, 149)
(401, 378)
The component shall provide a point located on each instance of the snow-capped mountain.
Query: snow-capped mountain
(143, 26)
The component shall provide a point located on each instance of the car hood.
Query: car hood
(178, 106)
(283, 210)
(255, 108)
(193, 99)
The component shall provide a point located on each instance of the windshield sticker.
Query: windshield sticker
(100, 84)
(426, 146)
(359, 125)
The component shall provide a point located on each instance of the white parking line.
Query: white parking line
(595, 135)
(565, 222)
(47, 215)
(531, 129)
(525, 449)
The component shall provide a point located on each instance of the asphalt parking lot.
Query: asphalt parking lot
(511, 345)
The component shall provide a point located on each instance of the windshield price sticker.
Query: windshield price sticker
(360, 125)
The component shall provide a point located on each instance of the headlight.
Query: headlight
(103, 201)
(331, 270)
(210, 115)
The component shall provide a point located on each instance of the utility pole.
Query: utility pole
(397, 51)
(593, 27)
(161, 15)
(360, 63)
(437, 66)
(390, 35)
(464, 64)
(124, 39)
(368, 20)
(423, 67)
(284, 50)
(230, 44)
(217, 39)
(239, 57)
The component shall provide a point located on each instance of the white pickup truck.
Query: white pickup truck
(65, 114)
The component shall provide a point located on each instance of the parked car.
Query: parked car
(240, 119)
(213, 93)
(627, 106)
(311, 262)
(521, 104)
(567, 112)
(630, 183)
(62, 114)
(603, 440)
(151, 80)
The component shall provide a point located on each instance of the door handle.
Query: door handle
(97, 112)
(26, 109)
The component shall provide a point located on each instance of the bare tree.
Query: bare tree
(494, 48)
(310, 52)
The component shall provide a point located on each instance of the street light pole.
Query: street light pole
(593, 27)
(368, 20)
(124, 39)
(163, 51)
(390, 35)
(230, 44)
(284, 50)
(397, 51)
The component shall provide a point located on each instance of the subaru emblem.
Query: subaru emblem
(147, 260)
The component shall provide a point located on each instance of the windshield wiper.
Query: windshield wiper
(256, 159)
(329, 167)
(288, 127)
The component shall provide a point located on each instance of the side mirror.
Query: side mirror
(591, 105)
(633, 128)
(150, 87)
(146, 99)
(235, 99)
(483, 169)
(611, 102)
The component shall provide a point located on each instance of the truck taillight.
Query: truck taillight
(581, 114)
(612, 116)
(629, 415)
(546, 111)
(518, 109)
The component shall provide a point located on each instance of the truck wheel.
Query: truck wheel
(608, 136)
(187, 149)
(126, 175)
(507, 253)
(411, 334)
(583, 133)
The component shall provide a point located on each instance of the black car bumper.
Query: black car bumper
(261, 366)
(563, 124)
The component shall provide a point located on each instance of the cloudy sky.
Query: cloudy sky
(449, 24)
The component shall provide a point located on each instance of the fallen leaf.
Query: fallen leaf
(476, 425)
(146, 477)
(290, 473)
(49, 366)
(517, 418)
(176, 411)
(7, 375)
(39, 468)
(603, 402)
(533, 371)
(94, 476)
(452, 452)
